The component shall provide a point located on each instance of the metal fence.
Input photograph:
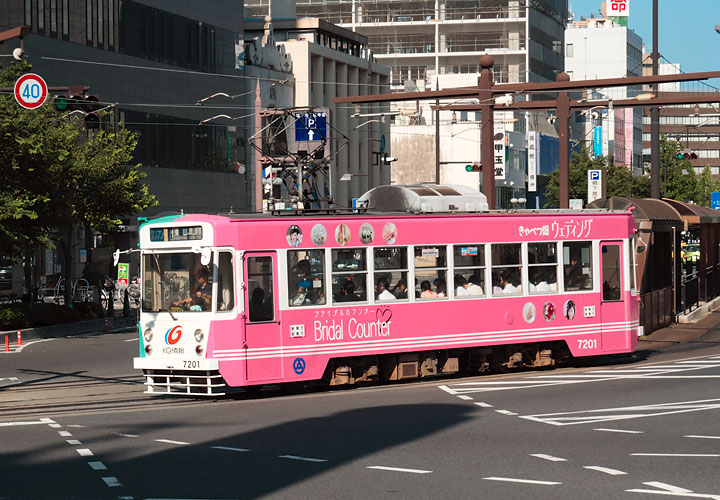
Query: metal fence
(656, 309)
(689, 292)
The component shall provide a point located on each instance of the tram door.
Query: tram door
(612, 305)
(262, 321)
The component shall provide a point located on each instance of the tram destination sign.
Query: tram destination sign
(185, 233)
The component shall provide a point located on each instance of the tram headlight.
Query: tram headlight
(148, 349)
(148, 335)
(199, 335)
(199, 350)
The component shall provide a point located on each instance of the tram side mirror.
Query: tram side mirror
(116, 257)
(205, 256)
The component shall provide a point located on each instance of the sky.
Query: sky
(686, 29)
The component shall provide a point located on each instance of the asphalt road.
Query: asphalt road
(74, 423)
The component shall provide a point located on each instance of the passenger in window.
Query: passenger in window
(505, 285)
(400, 290)
(347, 292)
(258, 307)
(426, 291)
(381, 290)
(475, 285)
(301, 297)
(573, 273)
(440, 287)
(461, 286)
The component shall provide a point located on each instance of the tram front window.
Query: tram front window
(176, 282)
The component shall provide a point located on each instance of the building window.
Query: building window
(65, 19)
(100, 31)
(28, 13)
(111, 23)
(569, 50)
(41, 16)
(53, 17)
(89, 21)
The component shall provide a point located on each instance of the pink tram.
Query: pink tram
(242, 301)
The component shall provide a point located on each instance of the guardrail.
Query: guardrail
(656, 309)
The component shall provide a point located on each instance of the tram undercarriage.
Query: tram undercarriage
(418, 365)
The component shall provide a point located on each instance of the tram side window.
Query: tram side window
(506, 268)
(225, 299)
(542, 267)
(306, 277)
(391, 265)
(431, 272)
(577, 265)
(261, 304)
(349, 275)
(469, 279)
(611, 272)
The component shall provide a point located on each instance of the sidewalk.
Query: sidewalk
(702, 322)
(68, 329)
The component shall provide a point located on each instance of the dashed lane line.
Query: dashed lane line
(674, 455)
(399, 469)
(97, 466)
(73, 442)
(46, 421)
(227, 448)
(525, 481)
(303, 459)
(669, 490)
(84, 452)
(612, 472)
(506, 412)
(170, 441)
(622, 431)
(112, 482)
(466, 398)
(548, 457)
(484, 405)
(701, 437)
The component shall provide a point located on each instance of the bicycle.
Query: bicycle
(133, 292)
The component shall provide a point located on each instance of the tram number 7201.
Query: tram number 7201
(587, 343)
(191, 364)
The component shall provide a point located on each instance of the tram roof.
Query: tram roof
(649, 209)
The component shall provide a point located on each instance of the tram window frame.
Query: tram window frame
(263, 276)
(435, 274)
(503, 266)
(545, 264)
(394, 268)
(225, 296)
(312, 281)
(478, 264)
(339, 277)
(583, 250)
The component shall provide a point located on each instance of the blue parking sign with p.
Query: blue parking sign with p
(310, 126)
(594, 175)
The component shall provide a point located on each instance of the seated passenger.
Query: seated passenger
(461, 286)
(301, 297)
(400, 290)
(426, 291)
(440, 287)
(381, 290)
(201, 299)
(474, 285)
(505, 285)
(347, 292)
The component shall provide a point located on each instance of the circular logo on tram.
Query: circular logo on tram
(299, 366)
(172, 336)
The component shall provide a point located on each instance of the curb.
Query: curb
(700, 312)
(70, 329)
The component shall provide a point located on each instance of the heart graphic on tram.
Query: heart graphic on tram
(383, 315)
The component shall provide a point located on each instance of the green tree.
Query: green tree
(59, 177)
(707, 186)
(677, 177)
(580, 163)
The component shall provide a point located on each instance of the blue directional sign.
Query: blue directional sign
(310, 126)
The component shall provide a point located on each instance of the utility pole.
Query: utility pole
(655, 115)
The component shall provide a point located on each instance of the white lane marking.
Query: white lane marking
(620, 430)
(548, 457)
(228, 448)
(466, 398)
(97, 465)
(20, 348)
(112, 482)
(78, 426)
(506, 412)
(55, 426)
(670, 490)
(127, 435)
(612, 472)
(170, 441)
(398, 469)
(526, 481)
(33, 422)
(10, 379)
(64, 433)
(701, 455)
(484, 405)
(702, 437)
(304, 459)
(700, 362)
(447, 389)
(73, 442)
(624, 413)
(132, 340)
(84, 452)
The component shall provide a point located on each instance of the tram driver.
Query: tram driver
(201, 299)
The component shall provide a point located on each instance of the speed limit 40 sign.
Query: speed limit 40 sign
(31, 91)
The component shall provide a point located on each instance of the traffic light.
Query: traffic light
(77, 100)
(687, 155)
(475, 167)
